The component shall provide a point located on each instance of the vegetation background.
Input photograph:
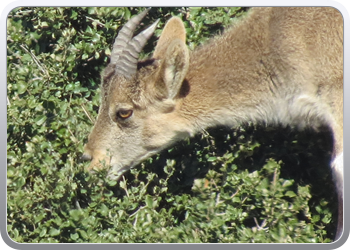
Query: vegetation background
(251, 184)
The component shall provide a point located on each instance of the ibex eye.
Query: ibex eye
(124, 114)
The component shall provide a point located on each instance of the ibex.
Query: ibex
(276, 66)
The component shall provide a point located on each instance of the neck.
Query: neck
(230, 89)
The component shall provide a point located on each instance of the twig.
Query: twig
(87, 114)
(96, 21)
(217, 201)
(74, 139)
(36, 60)
(21, 13)
(262, 226)
(135, 213)
(233, 195)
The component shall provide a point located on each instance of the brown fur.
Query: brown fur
(276, 66)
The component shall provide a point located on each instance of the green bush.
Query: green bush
(252, 184)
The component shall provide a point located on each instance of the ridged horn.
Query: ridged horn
(126, 50)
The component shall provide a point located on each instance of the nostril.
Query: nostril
(86, 157)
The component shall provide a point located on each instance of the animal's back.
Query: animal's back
(274, 54)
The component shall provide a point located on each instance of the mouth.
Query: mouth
(116, 168)
(115, 173)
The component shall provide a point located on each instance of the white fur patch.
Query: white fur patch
(338, 163)
(338, 166)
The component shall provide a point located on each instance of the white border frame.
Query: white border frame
(7, 5)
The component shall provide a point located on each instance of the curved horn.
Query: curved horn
(125, 50)
(125, 35)
(127, 65)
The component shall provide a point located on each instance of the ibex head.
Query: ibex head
(137, 117)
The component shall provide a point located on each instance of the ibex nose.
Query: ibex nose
(86, 157)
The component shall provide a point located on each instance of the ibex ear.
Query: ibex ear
(174, 67)
(173, 54)
(174, 29)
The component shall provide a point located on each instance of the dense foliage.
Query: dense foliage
(251, 184)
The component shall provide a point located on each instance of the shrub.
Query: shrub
(251, 184)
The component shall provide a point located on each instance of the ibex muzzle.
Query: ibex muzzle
(276, 66)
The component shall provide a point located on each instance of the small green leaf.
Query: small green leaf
(40, 120)
(290, 194)
(76, 214)
(21, 87)
(104, 210)
(83, 234)
(54, 232)
(74, 236)
(149, 201)
(44, 25)
(43, 232)
(287, 183)
(212, 158)
(20, 181)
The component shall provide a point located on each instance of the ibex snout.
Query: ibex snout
(86, 157)
(98, 158)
